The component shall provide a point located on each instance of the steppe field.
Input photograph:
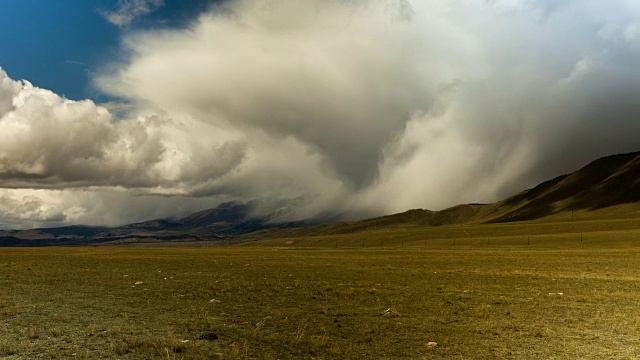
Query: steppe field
(555, 290)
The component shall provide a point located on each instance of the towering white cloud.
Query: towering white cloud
(420, 104)
(373, 106)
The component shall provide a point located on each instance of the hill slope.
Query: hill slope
(604, 183)
(596, 188)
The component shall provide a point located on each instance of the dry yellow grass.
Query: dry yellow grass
(301, 298)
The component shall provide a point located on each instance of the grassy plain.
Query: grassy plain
(511, 291)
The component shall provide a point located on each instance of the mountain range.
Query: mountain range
(610, 184)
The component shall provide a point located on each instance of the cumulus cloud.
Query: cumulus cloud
(50, 142)
(128, 10)
(65, 161)
(371, 106)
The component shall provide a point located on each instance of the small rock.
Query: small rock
(213, 301)
(139, 283)
(432, 344)
(390, 312)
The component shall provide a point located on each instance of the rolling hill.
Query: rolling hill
(608, 185)
(602, 186)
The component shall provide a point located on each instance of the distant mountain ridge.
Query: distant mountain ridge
(223, 222)
(606, 182)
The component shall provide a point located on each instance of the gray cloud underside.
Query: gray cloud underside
(374, 106)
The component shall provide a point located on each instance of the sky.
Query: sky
(117, 111)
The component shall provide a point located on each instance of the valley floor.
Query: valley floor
(577, 300)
